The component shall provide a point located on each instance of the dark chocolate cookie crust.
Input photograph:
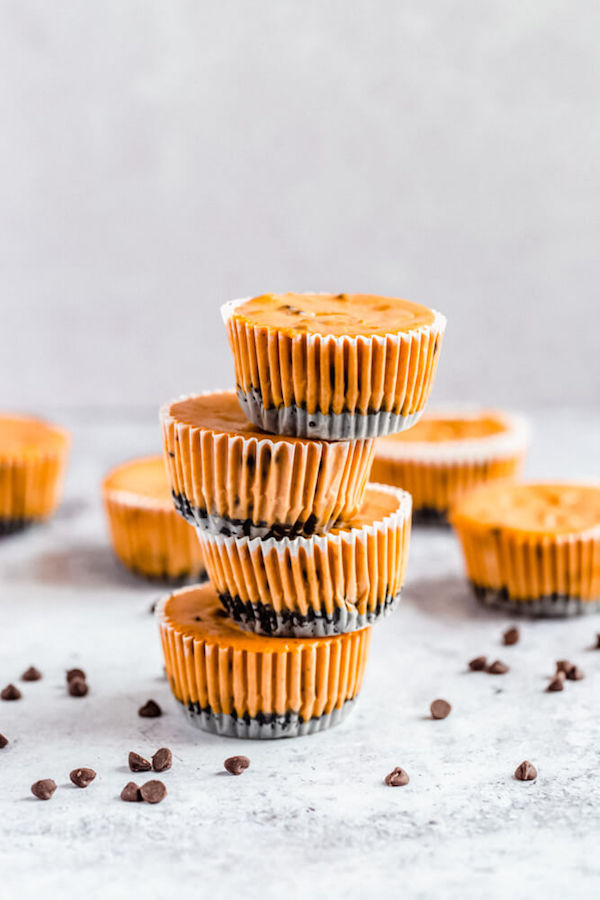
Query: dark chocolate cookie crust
(546, 607)
(263, 619)
(239, 528)
(263, 726)
(11, 526)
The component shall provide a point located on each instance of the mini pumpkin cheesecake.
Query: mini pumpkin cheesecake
(447, 454)
(33, 459)
(533, 548)
(230, 478)
(324, 585)
(148, 536)
(236, 683)
(334, 366)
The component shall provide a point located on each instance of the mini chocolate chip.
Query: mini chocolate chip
(563, 665)
(153, 791)
(526, 771)
(162, 760)
(575, 674)
(557, 684)
(497, 668)
(597, 642)
(3, 741)
(131, 793)
(511, 637)
(478, 664)
(440, 709)
(10, 692)
(150, 710)
(82, 777)
(235, 765)
(152, 607)
(78, 687)
(137, 763)
(397, 778)
(43, 789)
(75, 673)
(31, 674)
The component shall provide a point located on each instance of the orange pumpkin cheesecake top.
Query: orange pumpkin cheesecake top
(439, 434)
(140, 481)
(219, 412)
(542, 508)
(22, 437)
(334, 314)
(379, 502)
(197, 612)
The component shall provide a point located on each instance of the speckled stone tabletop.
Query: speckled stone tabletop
(311, 817)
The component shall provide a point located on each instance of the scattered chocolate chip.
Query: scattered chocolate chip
(526, 771)
(75, 673)
(131, 793)
(78, 687)
(150, 710)
(31, 674)
(235, 765)
(162, 760)
(43, 789)
(575, 674)
(3, 741)
(557, 684)
(397, 778)
(563, 665)
(597, 642)
(10, 692)
(152, 607)
(137, 763)
(82, 777)
(440, 709)
(478, 664)
(511, 636)
(497, 668)
(153, 791)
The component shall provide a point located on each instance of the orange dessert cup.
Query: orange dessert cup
(148, 536)
(33, 460)
(239, 684)
(324, 585)
(533, 548)
(230, 478)
(447, 454)
(333, 366)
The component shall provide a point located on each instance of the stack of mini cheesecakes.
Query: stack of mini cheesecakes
(302, 553)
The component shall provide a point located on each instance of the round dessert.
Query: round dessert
(239, 684)
(148, 536)
(232, 479)
(333, 366)
(324, 585)
(533, 548)
(447, 454)
(33, 459)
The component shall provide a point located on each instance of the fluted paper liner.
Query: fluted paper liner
(153, 541)
(332, 387)
(322, 585)
(238, 484)
(546, 575)
(245, 685)
(31, 483)
(437, 474)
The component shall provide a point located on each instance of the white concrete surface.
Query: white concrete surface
(311, 818)
(158, 158)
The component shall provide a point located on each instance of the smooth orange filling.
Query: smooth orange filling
(434, 428)
(550, 508)
(335, 314)
(220, 412)
(197, 612)
(377, 504)
(22, 435)
(146, 477)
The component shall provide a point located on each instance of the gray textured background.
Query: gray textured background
(159, 158)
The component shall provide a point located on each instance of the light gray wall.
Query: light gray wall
(159, 158)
